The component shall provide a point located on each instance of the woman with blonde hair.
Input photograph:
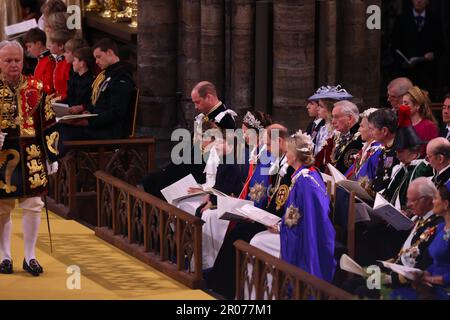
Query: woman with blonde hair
(422, 118)
(306, 232)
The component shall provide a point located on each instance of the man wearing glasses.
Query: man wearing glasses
(438, 155)
(445, 132)
(414, 251)
(345, 118)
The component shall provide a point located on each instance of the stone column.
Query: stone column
(326, 46)
(359, 52)
(157, 72)
(212, 48)
(242, 54)
(157, 63)
(293, 73)
(189, 67)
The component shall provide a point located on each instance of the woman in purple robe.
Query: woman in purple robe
(307, 234)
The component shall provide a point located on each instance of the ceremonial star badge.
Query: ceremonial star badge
(257, 192)
(292, 216)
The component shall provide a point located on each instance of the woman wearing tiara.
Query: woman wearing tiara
(230, 182)
(257, 181)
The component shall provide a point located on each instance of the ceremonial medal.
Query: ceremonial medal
(282, 196)
(292, 216)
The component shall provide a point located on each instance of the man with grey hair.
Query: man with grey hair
(438, 155)
(414, 252)
(28, 146)
(396, 89)
(420, 194)
(347, 140)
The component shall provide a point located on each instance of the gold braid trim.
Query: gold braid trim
(96, 86)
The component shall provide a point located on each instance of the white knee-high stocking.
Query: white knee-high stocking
(5, 236)
(30, 222)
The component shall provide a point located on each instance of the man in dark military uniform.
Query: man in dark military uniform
(382, 239)
(347, 142)
(112, 93)
(28, 153)
(445, 131)
(383, 124)
(438, 155)
(204, 96)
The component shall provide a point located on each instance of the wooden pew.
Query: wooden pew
(72, 190)
(288, 281)
(150, 229)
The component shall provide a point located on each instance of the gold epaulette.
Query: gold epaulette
(96, 86)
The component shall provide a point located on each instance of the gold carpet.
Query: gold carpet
(105, 271)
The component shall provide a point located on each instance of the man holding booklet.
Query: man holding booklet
(414, 252)
(112, 93)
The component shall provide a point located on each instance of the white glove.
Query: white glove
(52, 168)
(2, 139)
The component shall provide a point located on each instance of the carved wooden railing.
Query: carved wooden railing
(150, 229)
(262, 276)
(72, 191)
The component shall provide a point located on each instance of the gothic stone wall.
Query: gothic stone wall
(313, 43)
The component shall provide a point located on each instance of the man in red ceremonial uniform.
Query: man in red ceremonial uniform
(35, 41)
(28, 153)
(61, 73)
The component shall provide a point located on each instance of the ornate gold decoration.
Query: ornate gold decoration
(110, 9)
(339, 146)
(49, 112)
(52, 142)
(292, 216)
(127, 13)
(282, 196)
(134, 16)
(38, 180)
(96, 86)
(33, 151)
(349, 157)
(93, 5)
(11, 165)
(8, 107)
(34, 166)
(257, 192)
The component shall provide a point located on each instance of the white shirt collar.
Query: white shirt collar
(416, 14)
(425, 217)
(443, 169)
(317, 121)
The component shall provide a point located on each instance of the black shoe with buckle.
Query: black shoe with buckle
(33, 267)
(6, 267)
